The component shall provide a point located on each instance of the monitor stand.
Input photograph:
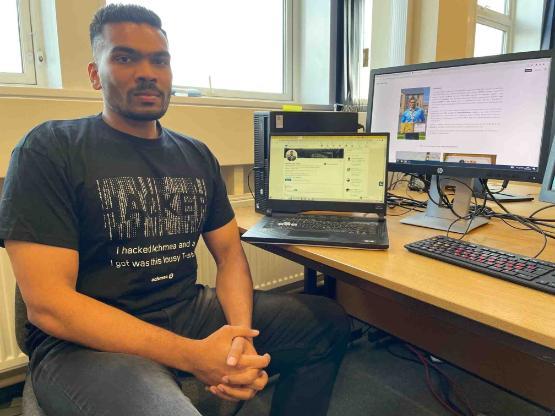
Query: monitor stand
(501, 197)
(441, 218)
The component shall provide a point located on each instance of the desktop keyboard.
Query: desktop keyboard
(536, 274)
(330, 223)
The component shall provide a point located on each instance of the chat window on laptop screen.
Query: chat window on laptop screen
(328, 168)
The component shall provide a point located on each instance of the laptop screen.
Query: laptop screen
(346, 168)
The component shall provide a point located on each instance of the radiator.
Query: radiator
(268, 271)
(10, 355)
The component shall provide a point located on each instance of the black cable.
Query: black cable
(450, 204)
(503, 187)
(530, 223)
(400, 356)
(520, 219)
(407, 203)
(541, 209)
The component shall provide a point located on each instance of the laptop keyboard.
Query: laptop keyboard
(329, 223)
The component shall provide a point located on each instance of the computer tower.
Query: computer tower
(267, 123)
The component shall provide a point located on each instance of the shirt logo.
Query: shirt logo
(151, 207)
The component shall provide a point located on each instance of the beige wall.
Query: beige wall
(73, 18)
(227, 131)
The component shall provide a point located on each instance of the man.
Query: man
(413, 114)
(100, 217)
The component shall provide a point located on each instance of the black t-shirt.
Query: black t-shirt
(132, 207)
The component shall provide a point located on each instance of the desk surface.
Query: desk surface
(509, 307)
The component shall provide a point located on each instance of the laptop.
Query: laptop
(325, 189)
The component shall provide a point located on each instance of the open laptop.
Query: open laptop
(325, 172)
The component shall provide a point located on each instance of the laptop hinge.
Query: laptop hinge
(269, 212)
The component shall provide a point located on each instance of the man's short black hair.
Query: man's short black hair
(120, 13)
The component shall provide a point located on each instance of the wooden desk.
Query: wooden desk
(503, 332)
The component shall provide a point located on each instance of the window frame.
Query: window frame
(28, 76)
(500, 21)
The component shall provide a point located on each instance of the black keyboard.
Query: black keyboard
(330, 223)
(537, 274)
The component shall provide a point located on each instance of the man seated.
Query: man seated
(100, 217)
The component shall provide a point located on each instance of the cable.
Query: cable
(541, 209)
(446, 384)
(443, 383)
(529, 223)
(445, 402)
(249, 178)
(520, 219)
(426, 365)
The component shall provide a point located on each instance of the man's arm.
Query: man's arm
(235, 293)
(233, 278)
(47, 277)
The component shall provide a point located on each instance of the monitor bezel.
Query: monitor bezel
(547, 193)
(294, 206)
(476, 171)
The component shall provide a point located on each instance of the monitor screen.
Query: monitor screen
(481, 117)
(328, 168)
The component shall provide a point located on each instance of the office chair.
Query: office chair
(204, 401)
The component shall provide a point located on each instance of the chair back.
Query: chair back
(20, 320)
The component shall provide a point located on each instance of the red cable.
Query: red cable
(455, 387)
(425, 363)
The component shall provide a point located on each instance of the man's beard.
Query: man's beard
(143, 116)
(125, 110)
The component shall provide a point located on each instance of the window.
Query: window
(17, 59)
(364, 69)
(494, 27)
(239, 51)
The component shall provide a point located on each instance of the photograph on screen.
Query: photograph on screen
(407, 156)
(413, 113)
(470, 158)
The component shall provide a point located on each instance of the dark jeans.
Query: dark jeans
(305, 335)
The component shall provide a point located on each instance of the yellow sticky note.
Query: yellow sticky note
(292, 107)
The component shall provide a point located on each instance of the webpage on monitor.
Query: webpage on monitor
(489, 114)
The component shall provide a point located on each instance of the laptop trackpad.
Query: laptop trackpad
(310, 234)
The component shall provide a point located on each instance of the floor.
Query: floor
(374, 381)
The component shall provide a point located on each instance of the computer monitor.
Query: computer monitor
(488, 117)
